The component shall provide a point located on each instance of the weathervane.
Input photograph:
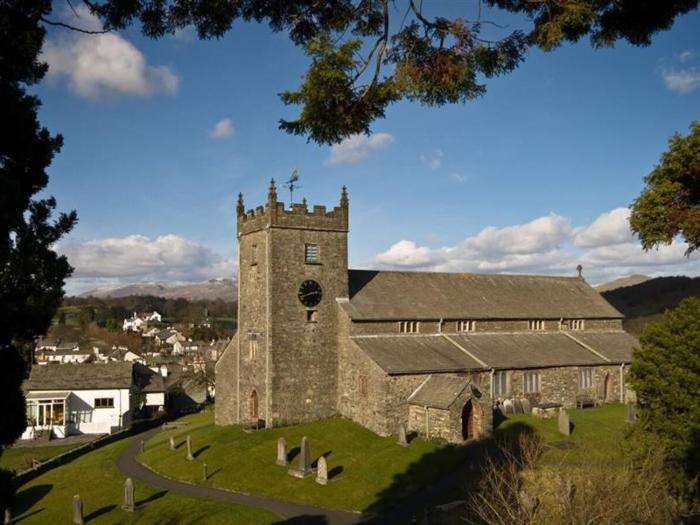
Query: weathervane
(291, 184)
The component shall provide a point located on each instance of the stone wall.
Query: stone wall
(226, 372)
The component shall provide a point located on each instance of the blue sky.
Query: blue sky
(534, 177)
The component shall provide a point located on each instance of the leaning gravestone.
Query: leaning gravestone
(128, 496)
(282, 452)
(564, 423)
(517, 406)
(304, 469)
(322, 471)
(77, 510)
(402, 436)
(631, 412)
(190, 457)
(172, 443)
(526, 406)
(508, 406)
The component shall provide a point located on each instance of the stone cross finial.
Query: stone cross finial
(190, 457)
(128, 495)
(77, 510)
(579, 269)
(344, 198)
(322, 471)
(240, 207)
(272, 194)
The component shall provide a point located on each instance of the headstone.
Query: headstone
(128, 495)
(143, 445)
(190, 457)
(8, 516)
(77, 510)
(322, 471)
(517, 406)
(204, 471)
(526, 406)
(564, 423)
(172, 442)
(501, 408)
(631, 412)
(282, 452)
(304, 469)
(402, 436)
(508, 406)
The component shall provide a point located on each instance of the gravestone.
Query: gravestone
(501, 408)
(172, 443)
(190, 457)
(526, 406)
(322, 471)
(77, 510)
(143, 445)
(204, 472)
(517, 406)
(402, 436)
(8, 517)
(564, 423)
(304, 470)
(128, 496)
(631, 412)
(282, 452)
(508, 406)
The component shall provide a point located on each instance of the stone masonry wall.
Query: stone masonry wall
(226, 373)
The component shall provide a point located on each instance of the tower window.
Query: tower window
(253, 345)
(409, 327)
(311, 255)
(465, 326)
(311, 316)
(537, 324)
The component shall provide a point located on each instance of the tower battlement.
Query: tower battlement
(298, 216)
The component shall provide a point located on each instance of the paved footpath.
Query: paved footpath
(293, 512)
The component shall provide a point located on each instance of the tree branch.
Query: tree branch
(72, 28)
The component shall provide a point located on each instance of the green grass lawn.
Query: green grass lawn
(21, 458)
(367, 472)
(47, 499)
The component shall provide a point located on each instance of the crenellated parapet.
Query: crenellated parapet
(298, 216)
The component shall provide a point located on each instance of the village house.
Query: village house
(98, 398)
(64, 352)
(139, 322)
(435, 352)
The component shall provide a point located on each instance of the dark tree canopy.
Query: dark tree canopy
(31, 273)
(669, 205)
(665, 374)
(367, 54)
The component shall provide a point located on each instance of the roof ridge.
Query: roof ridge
(477, 274)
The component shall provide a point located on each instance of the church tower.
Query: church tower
(292, 265)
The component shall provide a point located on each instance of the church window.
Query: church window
(501, 385)
(465, 326)
(253, 345)
(311, 316)
(531, 382)
(536, 324)
(311, 255)
(585, 377)
(409, 327)
(363, 386)
(254, 255)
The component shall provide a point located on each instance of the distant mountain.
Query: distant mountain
(646, 301)
(630, 280)
(224, 289)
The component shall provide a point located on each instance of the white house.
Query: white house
(139, 322)
(97, 398)
(64, 352)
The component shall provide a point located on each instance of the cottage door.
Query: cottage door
(471, 420)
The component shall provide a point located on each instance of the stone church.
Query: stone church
(436, 352)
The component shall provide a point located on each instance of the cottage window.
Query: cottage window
(585, 377)
(501, 385)
(535, 324)
(409, 327)
(465, 326)
(104, 402)
(311, 255)
(254, 255)
(531, 382)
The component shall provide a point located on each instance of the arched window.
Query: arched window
(253, 405)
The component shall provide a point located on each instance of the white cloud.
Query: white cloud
(546, 245)
(681, 81)
(458, 177)
(185, 34)
(222, 129)
(612, 227)
(433, 161)
(357, 148)
(167, 258)
(687, 56)
(97, 64)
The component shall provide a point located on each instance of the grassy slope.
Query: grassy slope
(47, 499)
(21, 458)
(368, 472)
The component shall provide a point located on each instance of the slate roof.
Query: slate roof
(147, 379)
(389, 295)
(615, 345)
(79, 376)
(439, 391)
(415, 354)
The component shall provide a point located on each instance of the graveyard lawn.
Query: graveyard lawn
(48, 498)
(20, 458)
(365, 471)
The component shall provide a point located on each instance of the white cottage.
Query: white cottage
(98, 398)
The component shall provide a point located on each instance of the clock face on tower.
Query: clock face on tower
(310, 293)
